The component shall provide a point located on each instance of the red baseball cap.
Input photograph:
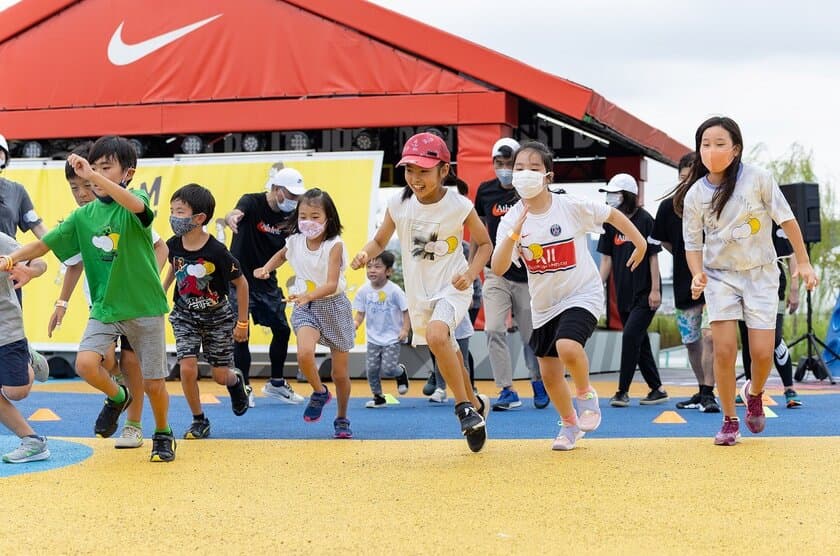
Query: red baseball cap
(425, 150)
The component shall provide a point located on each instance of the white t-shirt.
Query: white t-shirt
(741, 238)
(554, 247)
(312, 267)
(383, 309)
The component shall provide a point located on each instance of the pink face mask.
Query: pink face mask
(716, 161)
(311, 229)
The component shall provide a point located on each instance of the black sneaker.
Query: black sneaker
(402, 381)
(239, 394)
(163, 447)
(654, 397)
(472, 426)
(198, 429)
(709, 405)
(621, 399)
(430, 386)
(377, 402)
(691, 403)
(109, 417)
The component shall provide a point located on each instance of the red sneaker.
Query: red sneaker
(755, 409)
(728, 434)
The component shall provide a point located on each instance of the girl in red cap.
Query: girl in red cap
(429, 220)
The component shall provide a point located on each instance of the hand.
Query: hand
(463, 281)
(793, 300)
(261, 273)
(654, 300)
(233, 219)
(806, 275)
(300, 299)
(81, 166)
(360, 260)
(517, 226)
(698, 284)
(21, 274)
(636, 258)
(240, 334)
(55, 320)
(403, 336)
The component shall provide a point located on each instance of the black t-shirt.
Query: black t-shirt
(260, 236)
(632, 287)
(668, 228)
(202, 277)
(492, 201)
(783, 249)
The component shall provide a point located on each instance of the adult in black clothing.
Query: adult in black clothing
(689, 312)
(638, 293)
(258, 233)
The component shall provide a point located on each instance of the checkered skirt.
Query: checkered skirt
(333, 316)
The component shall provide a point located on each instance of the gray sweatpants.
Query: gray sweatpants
(500, 297)
(381, 361)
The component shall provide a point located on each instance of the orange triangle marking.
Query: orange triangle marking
(44, 414)
(669, 418)
(767, 400)
(209, 399)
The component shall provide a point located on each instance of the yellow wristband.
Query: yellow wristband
(10, 263)
(513, 235)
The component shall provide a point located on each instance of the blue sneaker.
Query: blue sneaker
(508, 399)
(342, 428)
(316, 404)
(541, 400)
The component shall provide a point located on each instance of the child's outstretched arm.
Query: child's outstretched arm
(478, 234)
(275, 262)
(71, 278)
(119, 194)
(623, 225)
(377, 245)
(803, 270)
(328, 288)
(27, 252)
(358, 319)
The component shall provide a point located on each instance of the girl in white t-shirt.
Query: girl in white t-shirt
(728, 217)
(429, 220)
(322, 313)
(548, 233)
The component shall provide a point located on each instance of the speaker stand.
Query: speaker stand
(813, 362)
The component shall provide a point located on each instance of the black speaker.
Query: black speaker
(804, 201)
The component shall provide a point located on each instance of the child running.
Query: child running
(201, 317)
(114, 238)
(728, 216)
(429, 220)
(548, 232)
(322, 314)
(387, 327)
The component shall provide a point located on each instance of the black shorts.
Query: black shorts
(572, 324)
(15, 368)
(267, 308)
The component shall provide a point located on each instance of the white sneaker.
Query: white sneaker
(251, 400)
(40, 366)
(131, 437)
(283, 393)
(30, 449)
(567, 438)
(439, 396)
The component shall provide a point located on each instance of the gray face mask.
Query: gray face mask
(505, 176)
(182, 224)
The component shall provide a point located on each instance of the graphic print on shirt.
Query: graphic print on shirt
(549, 257)
(427, 244)
(750, 224)
(501, 209)
(269, 229)
(619, 239)
(193, 282)
(106, 241)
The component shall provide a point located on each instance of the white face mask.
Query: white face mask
(615, 199)
(529, 183)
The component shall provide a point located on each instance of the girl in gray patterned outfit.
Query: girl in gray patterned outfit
(322, 312)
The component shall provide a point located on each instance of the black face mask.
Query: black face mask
(107, 199)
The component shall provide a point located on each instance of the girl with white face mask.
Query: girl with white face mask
(547, 233)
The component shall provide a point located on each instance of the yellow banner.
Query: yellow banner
(352, 179)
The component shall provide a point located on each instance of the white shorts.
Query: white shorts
(747, 295)
(450, 309)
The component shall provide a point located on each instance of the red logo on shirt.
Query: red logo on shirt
(500, 209)
(619, 239)
(551, 257)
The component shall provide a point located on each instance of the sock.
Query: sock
(199, 417)
(136, 424)
(119, 397)
(707, 390)
(278, 382)
(167, 430)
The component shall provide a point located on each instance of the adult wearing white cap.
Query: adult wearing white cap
(509, 292)
(257, 223)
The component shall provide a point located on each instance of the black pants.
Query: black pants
(785, 369)
(267, 308)
(635, 349)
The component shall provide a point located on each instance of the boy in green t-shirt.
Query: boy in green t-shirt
(113, 235)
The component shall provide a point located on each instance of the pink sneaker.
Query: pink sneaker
(566, 438)
(755, 409)
(589, 414)
(728, 434)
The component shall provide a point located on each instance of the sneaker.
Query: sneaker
(739, 400)
(473, 426)
(792, 399)
(239, 394)
(342, 428)
(198, 430)
(316, 404)
(541, 399)
(508, 399)
(430, 386)
(439, 396)
(484, 407)
(131, 437)
(108, 419)
(40, 365)
(708, 404)
(691, 403)
(728, 434)
(567, 437)
(755, 409)
(589, 413)
(163, 447)
(252, 402)
(402, 380)
(620, 399)
(30, 449)
(377, 402)
(654, 397)
(284, 393)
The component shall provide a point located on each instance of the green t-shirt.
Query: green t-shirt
(119, 259)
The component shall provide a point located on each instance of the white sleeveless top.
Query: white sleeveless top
(311, 267)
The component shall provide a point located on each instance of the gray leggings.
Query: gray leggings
(381, 361)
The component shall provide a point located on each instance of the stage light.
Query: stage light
(192, 144)
(364, 141)
(297, 141)
(139, 148)
(32, 149)
(250, 143)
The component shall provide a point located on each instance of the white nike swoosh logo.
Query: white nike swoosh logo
(122, 54)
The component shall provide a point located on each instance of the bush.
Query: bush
(669, 333)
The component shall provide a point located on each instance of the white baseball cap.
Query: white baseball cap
(513, 144)
(289, 178)
(621, 182)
